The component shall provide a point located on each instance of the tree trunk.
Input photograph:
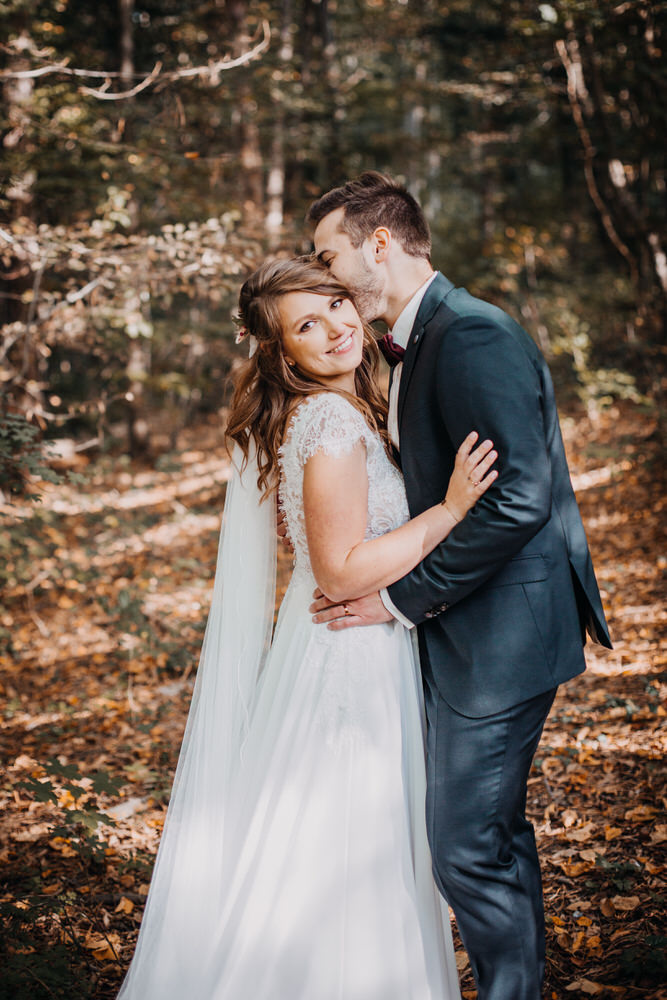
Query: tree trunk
(126, 10)
(324, 24)
(21, 279)
(138, 368)
(139, 355)
(275, 185)
(250, 152)
(18, 96)
(251, 156)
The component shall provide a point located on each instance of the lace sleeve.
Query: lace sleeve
(327, 422)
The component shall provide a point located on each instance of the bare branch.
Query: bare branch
(210, 71)
(103, 95)
(81, 293)
(30, 74)
(222, 64)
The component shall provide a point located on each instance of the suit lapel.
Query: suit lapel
(439, 289)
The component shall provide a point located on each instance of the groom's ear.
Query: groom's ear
(381, 241)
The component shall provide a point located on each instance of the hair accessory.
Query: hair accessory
(242, 334)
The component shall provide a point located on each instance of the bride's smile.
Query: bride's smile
(347, 344)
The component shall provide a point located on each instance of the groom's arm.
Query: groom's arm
(485, 382)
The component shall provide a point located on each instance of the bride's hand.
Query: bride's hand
(471, 477)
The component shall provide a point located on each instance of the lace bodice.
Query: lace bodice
(327, 422)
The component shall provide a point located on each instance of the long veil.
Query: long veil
(186, 895)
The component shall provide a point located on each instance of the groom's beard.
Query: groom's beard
(366, 289)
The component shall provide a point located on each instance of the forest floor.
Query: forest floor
(106, 590)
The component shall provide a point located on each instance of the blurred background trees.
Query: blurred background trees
(154, 152)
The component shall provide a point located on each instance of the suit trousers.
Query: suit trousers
(484, 854)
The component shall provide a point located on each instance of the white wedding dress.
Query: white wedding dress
(327, 891)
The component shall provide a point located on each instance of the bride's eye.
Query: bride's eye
(306, 326)
(336, 303)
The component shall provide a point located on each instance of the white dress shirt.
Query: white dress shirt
(400, 332)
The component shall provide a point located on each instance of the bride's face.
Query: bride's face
(322, 336)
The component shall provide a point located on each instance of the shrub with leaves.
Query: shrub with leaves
(22, 457)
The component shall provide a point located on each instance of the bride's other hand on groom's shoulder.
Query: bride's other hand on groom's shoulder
(368, 610)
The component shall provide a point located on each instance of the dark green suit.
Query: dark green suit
(502, 608)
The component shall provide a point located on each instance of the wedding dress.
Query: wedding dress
(322, 889)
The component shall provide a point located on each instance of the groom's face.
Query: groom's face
(353, 266)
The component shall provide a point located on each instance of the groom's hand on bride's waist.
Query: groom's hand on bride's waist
(368, 610)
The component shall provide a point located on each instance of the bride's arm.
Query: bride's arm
(335, 497)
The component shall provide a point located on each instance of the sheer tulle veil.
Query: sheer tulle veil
(186, 897)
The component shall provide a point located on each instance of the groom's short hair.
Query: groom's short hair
(373, 200)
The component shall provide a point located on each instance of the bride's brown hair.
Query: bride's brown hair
(267, 389)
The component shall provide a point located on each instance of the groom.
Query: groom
(503, 605)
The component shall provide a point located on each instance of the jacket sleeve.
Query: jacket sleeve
(486, 381)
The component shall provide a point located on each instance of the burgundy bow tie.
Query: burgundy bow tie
(392, 352)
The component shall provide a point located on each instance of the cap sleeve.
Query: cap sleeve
(327, 423)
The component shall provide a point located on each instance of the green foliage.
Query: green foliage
(77, 817)
(140, 635)
(618, 876)
(22, 456)
(646, 962)
(33, 967)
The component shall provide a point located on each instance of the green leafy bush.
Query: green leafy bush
(22, 457)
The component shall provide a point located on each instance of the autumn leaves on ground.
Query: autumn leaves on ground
(106, 590)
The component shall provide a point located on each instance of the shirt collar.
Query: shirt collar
(402, 328)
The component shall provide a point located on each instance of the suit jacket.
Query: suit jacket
(503, 604)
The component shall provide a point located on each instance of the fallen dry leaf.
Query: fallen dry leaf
(103, 947)
(462, 960)
(612, 832)
(625, 904)
(582, 833)
(575, 868)
(641, 814)
(585, 986)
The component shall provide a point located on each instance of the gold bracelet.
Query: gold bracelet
(444, 504)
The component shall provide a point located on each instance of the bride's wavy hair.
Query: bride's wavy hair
(267, 389)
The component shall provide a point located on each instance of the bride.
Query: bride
(294, 863)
